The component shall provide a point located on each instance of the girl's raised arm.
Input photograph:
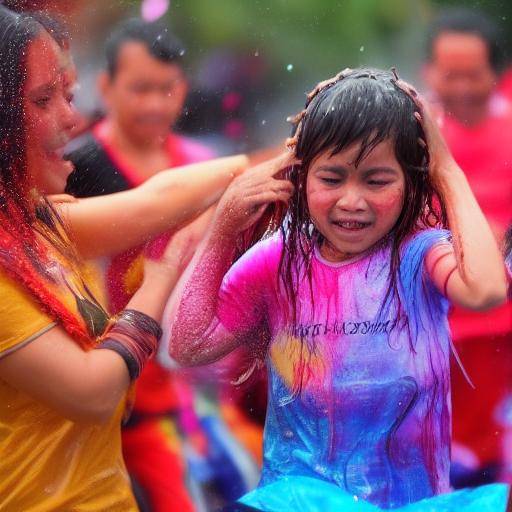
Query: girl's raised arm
(196, 334)
(471, 273)
(108, 225)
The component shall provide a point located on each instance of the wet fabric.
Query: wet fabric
(363, 402)
(48, 462)
(310, 495)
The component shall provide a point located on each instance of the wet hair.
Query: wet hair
(52, 23)
(469, 21)
(155, 36)
(55, 26)
(18, 31)
(363, 106)
(25, 217)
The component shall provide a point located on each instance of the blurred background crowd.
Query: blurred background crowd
(234, 71)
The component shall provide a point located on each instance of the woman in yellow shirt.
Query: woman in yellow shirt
(65, 364)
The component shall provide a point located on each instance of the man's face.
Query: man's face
(145, 95)
(461, 75)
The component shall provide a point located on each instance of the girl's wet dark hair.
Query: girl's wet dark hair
(365, 106)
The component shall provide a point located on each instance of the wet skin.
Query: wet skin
(354, 207)
(49, 116)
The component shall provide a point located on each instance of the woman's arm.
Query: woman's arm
(196, 334)
(108, 225)
(471, 273)
(87, 386)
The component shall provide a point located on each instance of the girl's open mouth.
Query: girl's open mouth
(352, 225)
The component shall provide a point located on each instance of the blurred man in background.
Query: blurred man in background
(462, 70)
(143, 88)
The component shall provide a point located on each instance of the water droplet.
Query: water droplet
(320, 469)
(256, 54)
(289, 67)
(264, 122)
(182, 52)
(361, 49)
(356, 498)
(288, 434)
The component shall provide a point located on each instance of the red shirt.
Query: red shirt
(484, 153)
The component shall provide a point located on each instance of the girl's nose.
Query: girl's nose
(351, 200)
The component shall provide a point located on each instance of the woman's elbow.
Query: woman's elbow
(489, 297)
(97, 410)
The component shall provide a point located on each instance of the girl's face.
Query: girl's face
(48, 114)
(354, 207)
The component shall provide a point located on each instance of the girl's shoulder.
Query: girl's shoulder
(423, 240)
(267, 250)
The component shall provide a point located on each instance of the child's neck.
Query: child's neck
(331, 254)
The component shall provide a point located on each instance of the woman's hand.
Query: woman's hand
(171, 254)
(246, 198)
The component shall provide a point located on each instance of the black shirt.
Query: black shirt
(94, 174)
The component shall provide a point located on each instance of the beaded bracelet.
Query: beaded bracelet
(134, 336)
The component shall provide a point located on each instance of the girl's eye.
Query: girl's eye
(378, 183)
(331, 181)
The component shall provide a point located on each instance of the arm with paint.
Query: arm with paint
(107, 225)
(470, 273)
(197, 336)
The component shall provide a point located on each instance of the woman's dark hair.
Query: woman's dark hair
(55, 26)
(363, 106)
(18, 31)
(22, 254)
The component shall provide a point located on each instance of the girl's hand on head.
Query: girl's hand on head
(440, 155)
(246, 198)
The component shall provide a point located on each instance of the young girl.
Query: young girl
(347, 303)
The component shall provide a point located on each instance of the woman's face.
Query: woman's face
(49, 115)
(354, 207)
